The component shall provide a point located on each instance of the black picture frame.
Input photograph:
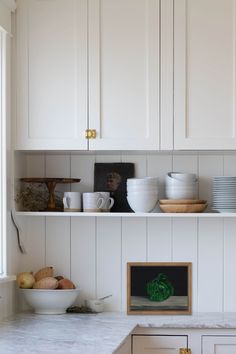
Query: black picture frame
(112, 177)
(159, 288)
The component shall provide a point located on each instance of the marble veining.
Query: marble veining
(91, 334)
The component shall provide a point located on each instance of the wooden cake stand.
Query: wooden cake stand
(51, 185)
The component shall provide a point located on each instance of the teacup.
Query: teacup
(72, 201)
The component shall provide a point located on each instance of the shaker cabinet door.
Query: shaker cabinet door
(51, 74)
(155, 344)
(218, 345)
(204, 74)
(124, 50)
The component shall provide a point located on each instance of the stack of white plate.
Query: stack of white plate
(142, 194)
(224, 194)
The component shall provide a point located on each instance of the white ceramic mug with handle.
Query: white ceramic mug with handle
(93, 202)
(72, 201)
(109, 202)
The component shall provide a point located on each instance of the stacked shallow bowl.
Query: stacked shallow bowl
(224, 194)
(142, 194)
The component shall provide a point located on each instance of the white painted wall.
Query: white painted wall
(94, 251)
(7, 290)
(7, 299)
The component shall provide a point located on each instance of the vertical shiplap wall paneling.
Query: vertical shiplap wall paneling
(83, 256)
(210, 239)
(58, 233)
(134, 248)
(33, 237)
(229, 164)
(209, 165)
(108, 158)
(158, 166)
(210, 265)
(229, 244)
(159, 240)
(185, 249)
(74, 245)
(58, 245)
(58, 166)
(185, 162)
(109, 261)
(229, 265)
(34, 243)
(140, 163)
(134, 231)
(185, 231)
(35, 165)
(82, 167)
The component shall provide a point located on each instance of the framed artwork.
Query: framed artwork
(112, 177)
(159, 288)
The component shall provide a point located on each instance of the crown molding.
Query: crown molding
(11, 4)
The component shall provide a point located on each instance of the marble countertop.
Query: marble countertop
(92, 333)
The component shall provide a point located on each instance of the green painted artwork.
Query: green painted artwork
(160, 288)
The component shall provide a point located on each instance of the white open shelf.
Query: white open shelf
(129, 215)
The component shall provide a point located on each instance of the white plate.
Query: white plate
(225, 210)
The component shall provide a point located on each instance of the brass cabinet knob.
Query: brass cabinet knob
(184, 351)
(90, 134)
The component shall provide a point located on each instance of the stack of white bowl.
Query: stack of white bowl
(181, 185)
(142, 194)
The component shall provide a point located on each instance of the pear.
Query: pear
(25, 280)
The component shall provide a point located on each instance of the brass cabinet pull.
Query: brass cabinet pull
(90, 134)
(184, 351)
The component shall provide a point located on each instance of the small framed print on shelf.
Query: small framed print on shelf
(112, 177)
(159, 288)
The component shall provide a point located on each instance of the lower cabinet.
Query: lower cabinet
(183, 341)
(155, 344)
(125, 347)
(218, 344)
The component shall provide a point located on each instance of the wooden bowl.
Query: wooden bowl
(182, 201)
(182, 208)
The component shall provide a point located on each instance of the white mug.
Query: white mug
(72, 201)
(109, 202)
(93, 202)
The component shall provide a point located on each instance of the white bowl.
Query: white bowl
(142, 188)
(95, 305)
(143, 192)
(142, 204)
(142, 181)
(186, 177)
(50, 302)
(169, 181)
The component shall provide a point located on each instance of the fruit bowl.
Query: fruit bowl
(50, 302)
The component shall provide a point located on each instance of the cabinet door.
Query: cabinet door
(124, 64)
(51, 74)
(153, 344)
(205, 74)
(218, 345)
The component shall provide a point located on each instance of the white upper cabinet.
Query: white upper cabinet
(94, 64)
(205, 74)
(51, 74)
(124, 51)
